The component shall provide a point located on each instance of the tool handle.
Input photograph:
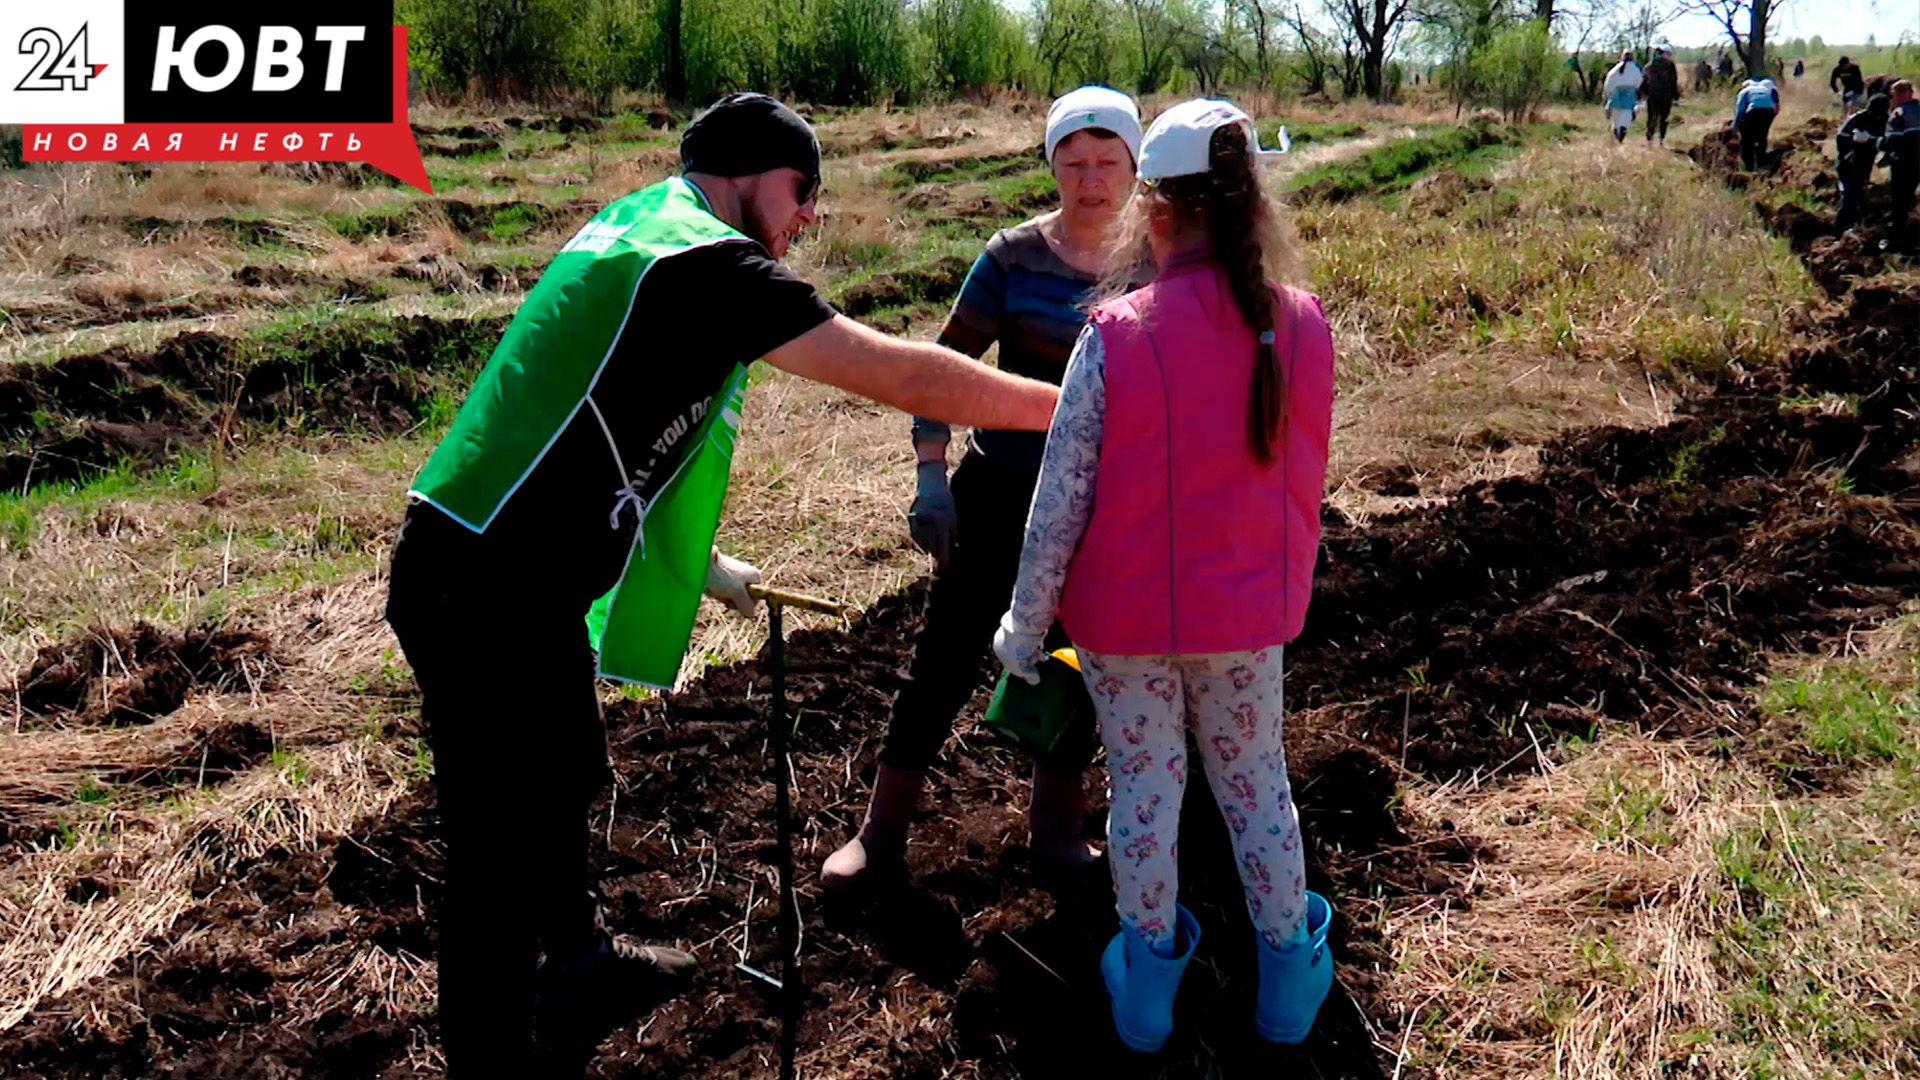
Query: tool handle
(783, 598)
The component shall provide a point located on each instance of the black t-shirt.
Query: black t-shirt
(697, 314)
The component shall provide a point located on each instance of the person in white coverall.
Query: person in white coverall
(1622, 92)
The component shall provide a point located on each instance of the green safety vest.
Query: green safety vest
(540, 375)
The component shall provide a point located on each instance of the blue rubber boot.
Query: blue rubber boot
(1142, 985)
(1294, 980)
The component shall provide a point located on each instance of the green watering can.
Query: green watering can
(1040, 716)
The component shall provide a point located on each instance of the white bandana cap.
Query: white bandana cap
(1094, 107)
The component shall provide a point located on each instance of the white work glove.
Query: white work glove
(727, 581)
(1020, 653)
(1861, 136)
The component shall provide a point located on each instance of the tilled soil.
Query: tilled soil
(80, 415)
(1638, 577)
(112, 676)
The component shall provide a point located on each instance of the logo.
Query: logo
(57, 64)
(133, 80)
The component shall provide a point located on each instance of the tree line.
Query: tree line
(1511, 54)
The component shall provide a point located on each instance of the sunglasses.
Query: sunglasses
(806, 189)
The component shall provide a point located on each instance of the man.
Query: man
(1622, 92)
(1725, 65)
(564, 527)
(1902, 144)
(1856, 145)
(1753, 112)
(1799, 68)
(1661, 88)
(1702, 76)
(1849, 82)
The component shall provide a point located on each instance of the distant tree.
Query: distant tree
(973, 45)
(1376, 24)
(1731, 14)
(497, 47)
(1060, 28)
(1314, 59)
(1637, 24)
(1156, 28)
(1457, 32)
(1263, 20)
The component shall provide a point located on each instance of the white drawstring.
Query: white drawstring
(628, 495)
(625, 497)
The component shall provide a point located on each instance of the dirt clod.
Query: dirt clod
(109, 675)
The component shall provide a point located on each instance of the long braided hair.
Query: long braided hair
(1248, 237)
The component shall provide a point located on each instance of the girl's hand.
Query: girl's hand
(1019, 652)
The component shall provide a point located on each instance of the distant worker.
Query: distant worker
(1661, 88)
(1753, 113)
(1779, 67)
(1799, 68)
(1849, 82)
(1856, 146)
(563, 528)
(1902, 144)
(1725, 66)
(1702, 77)
(1622, 93)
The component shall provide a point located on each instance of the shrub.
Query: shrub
(1518, 68)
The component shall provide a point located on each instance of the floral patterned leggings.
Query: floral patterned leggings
(1232, 703)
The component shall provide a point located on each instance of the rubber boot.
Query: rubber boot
(1142, 984)
(1294, 980)
(1057, 818)
(880, 849)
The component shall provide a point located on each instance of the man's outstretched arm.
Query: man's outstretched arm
(916, 377)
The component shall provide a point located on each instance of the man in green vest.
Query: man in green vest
(564, 528)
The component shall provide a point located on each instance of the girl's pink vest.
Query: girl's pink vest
(1195, 546)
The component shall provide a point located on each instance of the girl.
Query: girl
(1025, 292)
(1173, 532)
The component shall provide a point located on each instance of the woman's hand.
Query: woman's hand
(932, 520)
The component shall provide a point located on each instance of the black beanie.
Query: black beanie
(746, 133)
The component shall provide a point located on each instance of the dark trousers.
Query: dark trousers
(1901, 187)
(963, 611)
(1657, 113)
(519, 753)
(1853, 171)
(1753, 138)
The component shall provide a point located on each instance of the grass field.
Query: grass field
(1606, 721)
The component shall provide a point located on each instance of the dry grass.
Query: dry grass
(333, 772)
(1657, 905)
(1576, 285)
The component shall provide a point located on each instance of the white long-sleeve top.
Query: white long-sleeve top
(1625, 74)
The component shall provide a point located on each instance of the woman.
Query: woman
(1622, 91)
(1025, 292)
(1174, 533)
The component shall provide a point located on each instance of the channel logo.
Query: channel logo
(132, 80)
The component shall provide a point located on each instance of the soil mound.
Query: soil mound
(110, 675)
(935, 280)
(83, 414)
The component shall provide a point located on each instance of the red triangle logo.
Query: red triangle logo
(98, 68)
